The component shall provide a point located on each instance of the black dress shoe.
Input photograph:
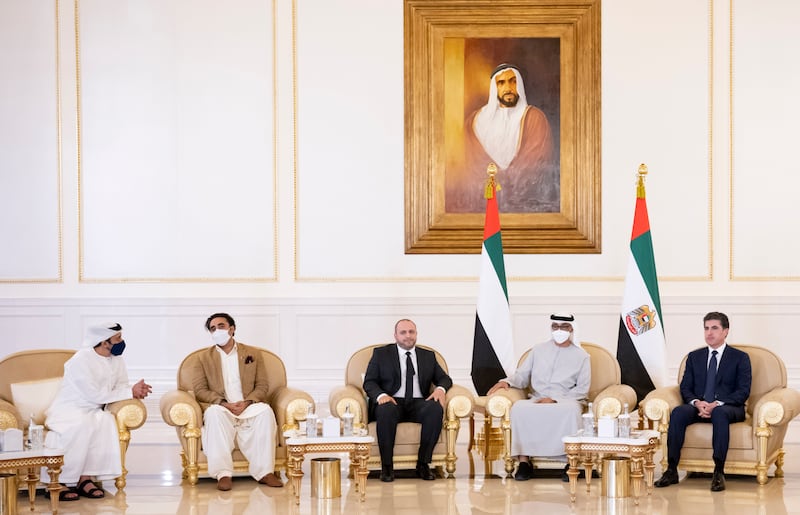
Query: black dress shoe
(670, 477)
(424, 472)
(387, 474)
(524, 471)
(718, 482)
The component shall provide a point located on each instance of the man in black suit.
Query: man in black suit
(406, 384)
(715, 386)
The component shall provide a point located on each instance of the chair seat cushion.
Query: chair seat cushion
(699, 436)
(406, 440)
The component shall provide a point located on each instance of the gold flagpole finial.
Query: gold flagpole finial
(491, 184)
(641, 174)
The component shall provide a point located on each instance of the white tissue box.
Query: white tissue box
(330, 427)
(607, 427)
(11, 440)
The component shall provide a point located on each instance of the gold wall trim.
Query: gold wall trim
(732, 153)
(81, 274)
(731, 276)
(710, 276)
(295, 170)
(59, 187)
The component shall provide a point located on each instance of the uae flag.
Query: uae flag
(641, 348)
(493, 347)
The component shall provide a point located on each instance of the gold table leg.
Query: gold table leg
(572, 473)
(649, 468)
(362, 456)
(32, 478)
(53, 470)
(295, 469)
(588, 465)
(637, 475)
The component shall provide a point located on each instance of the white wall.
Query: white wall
(189, 157)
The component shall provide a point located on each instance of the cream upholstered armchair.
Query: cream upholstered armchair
(755, 443)
(180, 410)
(605, 391)
(458, 405)
(29, 381)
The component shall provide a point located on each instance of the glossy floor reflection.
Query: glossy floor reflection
(154, 487)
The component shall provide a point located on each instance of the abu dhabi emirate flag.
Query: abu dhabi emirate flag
(493, 346)
(641, 347)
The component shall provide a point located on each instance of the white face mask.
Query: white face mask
(560, 336)
(220, 337)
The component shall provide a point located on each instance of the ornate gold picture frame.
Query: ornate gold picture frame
(451, 50)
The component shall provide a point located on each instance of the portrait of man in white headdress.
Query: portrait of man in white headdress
(510, 132)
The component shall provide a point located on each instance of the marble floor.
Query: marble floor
(154, 487)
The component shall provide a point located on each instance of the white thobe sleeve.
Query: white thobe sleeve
(99, 385)
(581, 389)
(521, 378)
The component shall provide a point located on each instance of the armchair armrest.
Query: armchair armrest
(499, 403)
(290, 405)
(341, 396)
(130, 413)
(611, 400)
(458, 402)
(180, 409)
(777, 407)
(9, 416)
(659, 403)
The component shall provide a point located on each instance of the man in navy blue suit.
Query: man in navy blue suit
(406, 384)
(715, 386)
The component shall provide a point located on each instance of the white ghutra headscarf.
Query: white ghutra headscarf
(498, 127)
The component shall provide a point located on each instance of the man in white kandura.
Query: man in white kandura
(558, 373)
(231, 385)
(93, 377)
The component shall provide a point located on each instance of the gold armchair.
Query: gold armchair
(28, 383)
(605, 391)
(458, 405)
(180, 410)
(755, 443)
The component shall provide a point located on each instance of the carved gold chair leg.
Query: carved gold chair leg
(453, 424)
(191, 469)
(124, 440)
(779, 464)
(505, 425)
(471, 432)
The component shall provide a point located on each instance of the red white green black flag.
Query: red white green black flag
(641, 346)
(493, 346)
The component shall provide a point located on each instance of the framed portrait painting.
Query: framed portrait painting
(514, 84)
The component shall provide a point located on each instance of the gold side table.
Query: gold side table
(357, 446)
(588, 450)
(32, 460)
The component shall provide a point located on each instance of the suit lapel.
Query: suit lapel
(393, 357)
(240, 355)
(424, 372)
(216, 383)
(725, 362)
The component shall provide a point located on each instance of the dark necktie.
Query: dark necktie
(409, 378)
(711, 378)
